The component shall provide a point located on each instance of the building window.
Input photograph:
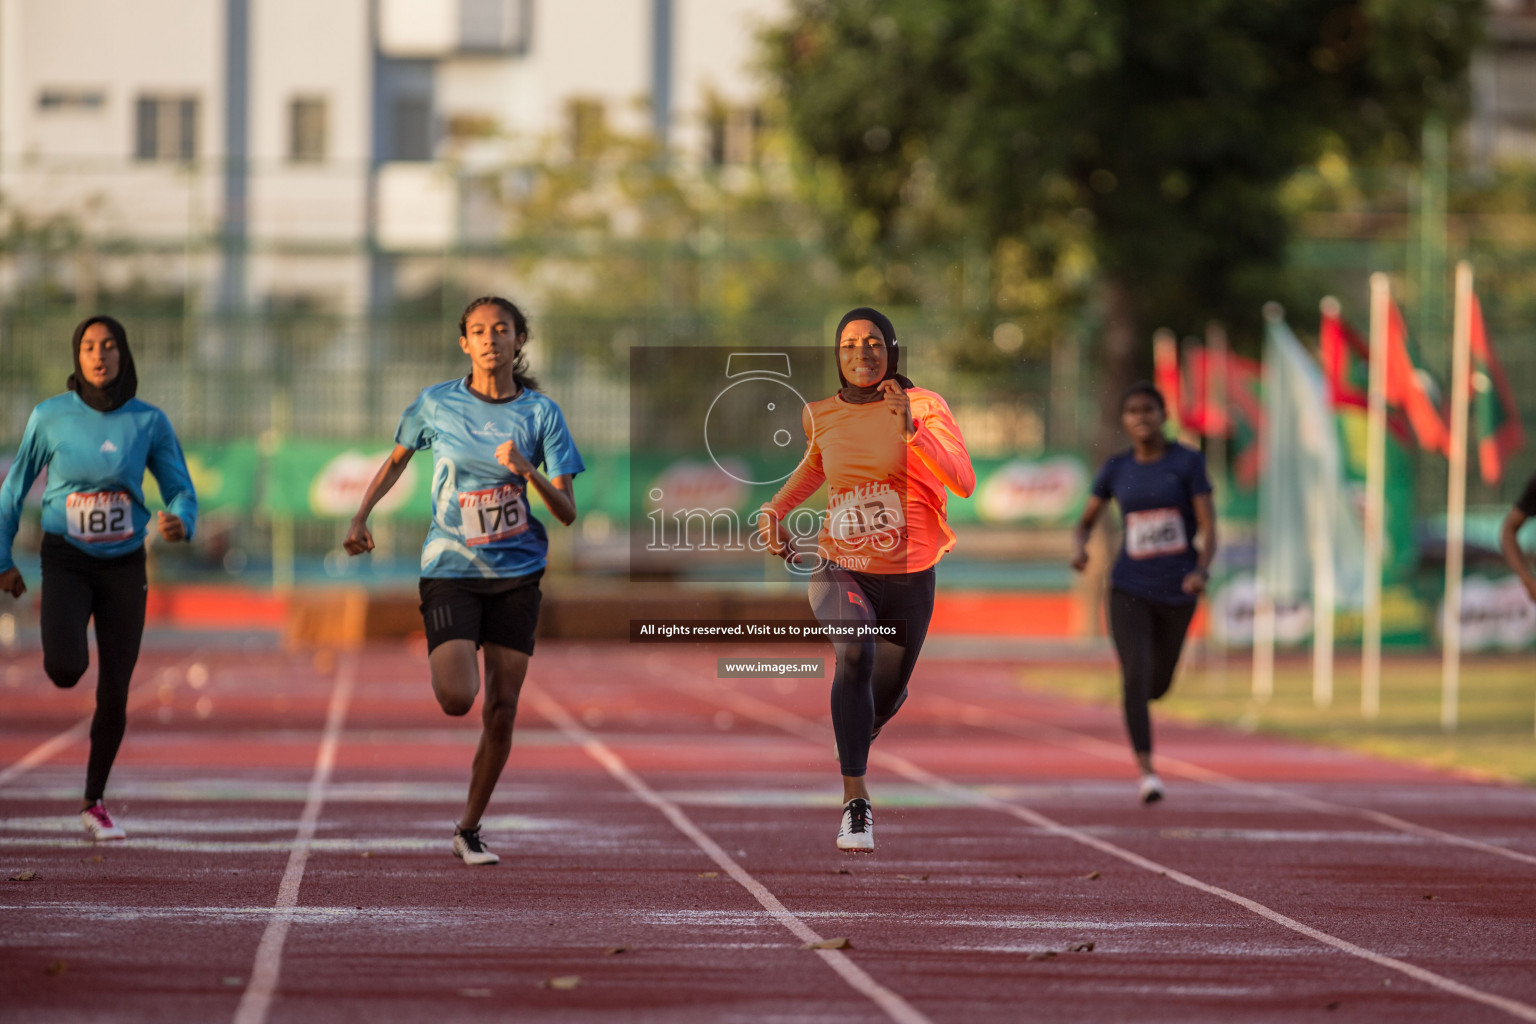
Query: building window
(71, 101)
(493, 26)
(734, 134)
(412, 128)
(306, 129)
(165, 128)
(587, 128)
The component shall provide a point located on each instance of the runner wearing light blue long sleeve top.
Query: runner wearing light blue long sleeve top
(92, 453)
(96, 442)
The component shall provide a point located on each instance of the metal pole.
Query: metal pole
(1375, 497)
(1456, 499)
(1216, 405)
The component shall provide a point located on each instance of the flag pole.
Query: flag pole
(1324, 593)
(1216, 404)
(1263, 598)
(1456, 498)
(1375, 498)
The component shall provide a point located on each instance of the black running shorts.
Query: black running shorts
(504, 612)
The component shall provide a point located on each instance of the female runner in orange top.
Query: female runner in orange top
(887, 451)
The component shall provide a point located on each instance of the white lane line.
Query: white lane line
(752, 707)
(138, 697)
(999, 721)
(895, 1007)
(256, 1003)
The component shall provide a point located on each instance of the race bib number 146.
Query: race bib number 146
(96, 517)
(1153, 532)
(494, 514)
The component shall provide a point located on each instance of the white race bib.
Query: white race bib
(1155, 531)
(494, 514)
(96, 517)
(865, 512)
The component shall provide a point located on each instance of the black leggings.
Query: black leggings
(870, 682)
(77, 587)
(1148, 637)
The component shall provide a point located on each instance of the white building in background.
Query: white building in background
(316, 142)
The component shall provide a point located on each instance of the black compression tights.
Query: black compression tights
(870, 682)
(76, 588)
(1148, 637)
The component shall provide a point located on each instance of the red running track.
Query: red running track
(288, 859)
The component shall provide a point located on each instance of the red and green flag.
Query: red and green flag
(1406, 389)
(1494, 413)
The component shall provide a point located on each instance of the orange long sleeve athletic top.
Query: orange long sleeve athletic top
(885, 496)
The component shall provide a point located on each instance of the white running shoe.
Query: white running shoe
(468, 847)
(858, 832)
(100, 824)
(1151, 788)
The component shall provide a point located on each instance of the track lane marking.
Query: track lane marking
(138, 696)
(787, 721)
(1012, 725)
(256, 1002)
(894, 1006)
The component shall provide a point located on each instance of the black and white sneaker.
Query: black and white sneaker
(858, 832)
(1151, 788)
(469, 848)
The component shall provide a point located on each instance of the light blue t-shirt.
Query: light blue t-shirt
(96, 462)
(481, 525)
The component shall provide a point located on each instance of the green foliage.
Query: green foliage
(1154, 136)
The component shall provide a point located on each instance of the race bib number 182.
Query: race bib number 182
(1153, 532)
(96, 517)
(494, 514)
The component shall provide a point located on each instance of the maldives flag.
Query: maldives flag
(1240, 413)
(1494, 413)
(1346, 359)
(1406, 392)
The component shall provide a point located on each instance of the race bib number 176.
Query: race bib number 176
(494, 514)
(96, 517)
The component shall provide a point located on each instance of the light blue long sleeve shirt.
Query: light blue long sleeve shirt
(96, 463)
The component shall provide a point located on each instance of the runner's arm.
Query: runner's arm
(802, 483)
(1205, 523)
(30, 460)
(359, 540)
(169, 466)
(940, 447)
(1509, 543)
(1081, 531)
(559, 495)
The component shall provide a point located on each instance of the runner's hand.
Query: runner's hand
(1530, 587)
(359, 541)
(778, 540)
(171, 527)
(1080, 560)
(897, 401)
(514, 460)
(11, 582)
(1194, 583)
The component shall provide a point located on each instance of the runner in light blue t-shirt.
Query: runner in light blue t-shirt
(485, 551)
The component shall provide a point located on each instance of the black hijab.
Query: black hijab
(862, 396)
(118, 390)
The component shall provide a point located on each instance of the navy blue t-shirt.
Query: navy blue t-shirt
(1157, 504)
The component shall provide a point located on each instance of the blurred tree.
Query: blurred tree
(1154, 134)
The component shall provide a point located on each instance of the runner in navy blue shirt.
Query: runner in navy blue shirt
(1509, 542)
(1165, 499)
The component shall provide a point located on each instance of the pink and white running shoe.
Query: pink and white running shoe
(100, 824)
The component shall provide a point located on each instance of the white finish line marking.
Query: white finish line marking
(46, 750)
(895, 1007)
(256, 1002)
(999, 721)
(793, 724)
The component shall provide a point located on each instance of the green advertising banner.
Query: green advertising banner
(224, 476)
(325, 480)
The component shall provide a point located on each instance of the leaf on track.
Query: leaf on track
(1080, 947)
(914, 878)
(91, 860)
(56, 968)
(616, 950)
(1333, 1005)
(709, 874)
(564, 983)
(841, 871)
(1092, 876)
(838, 943)
(24, 876)
(1044, 954)
(367, 853)
(1428, 897)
